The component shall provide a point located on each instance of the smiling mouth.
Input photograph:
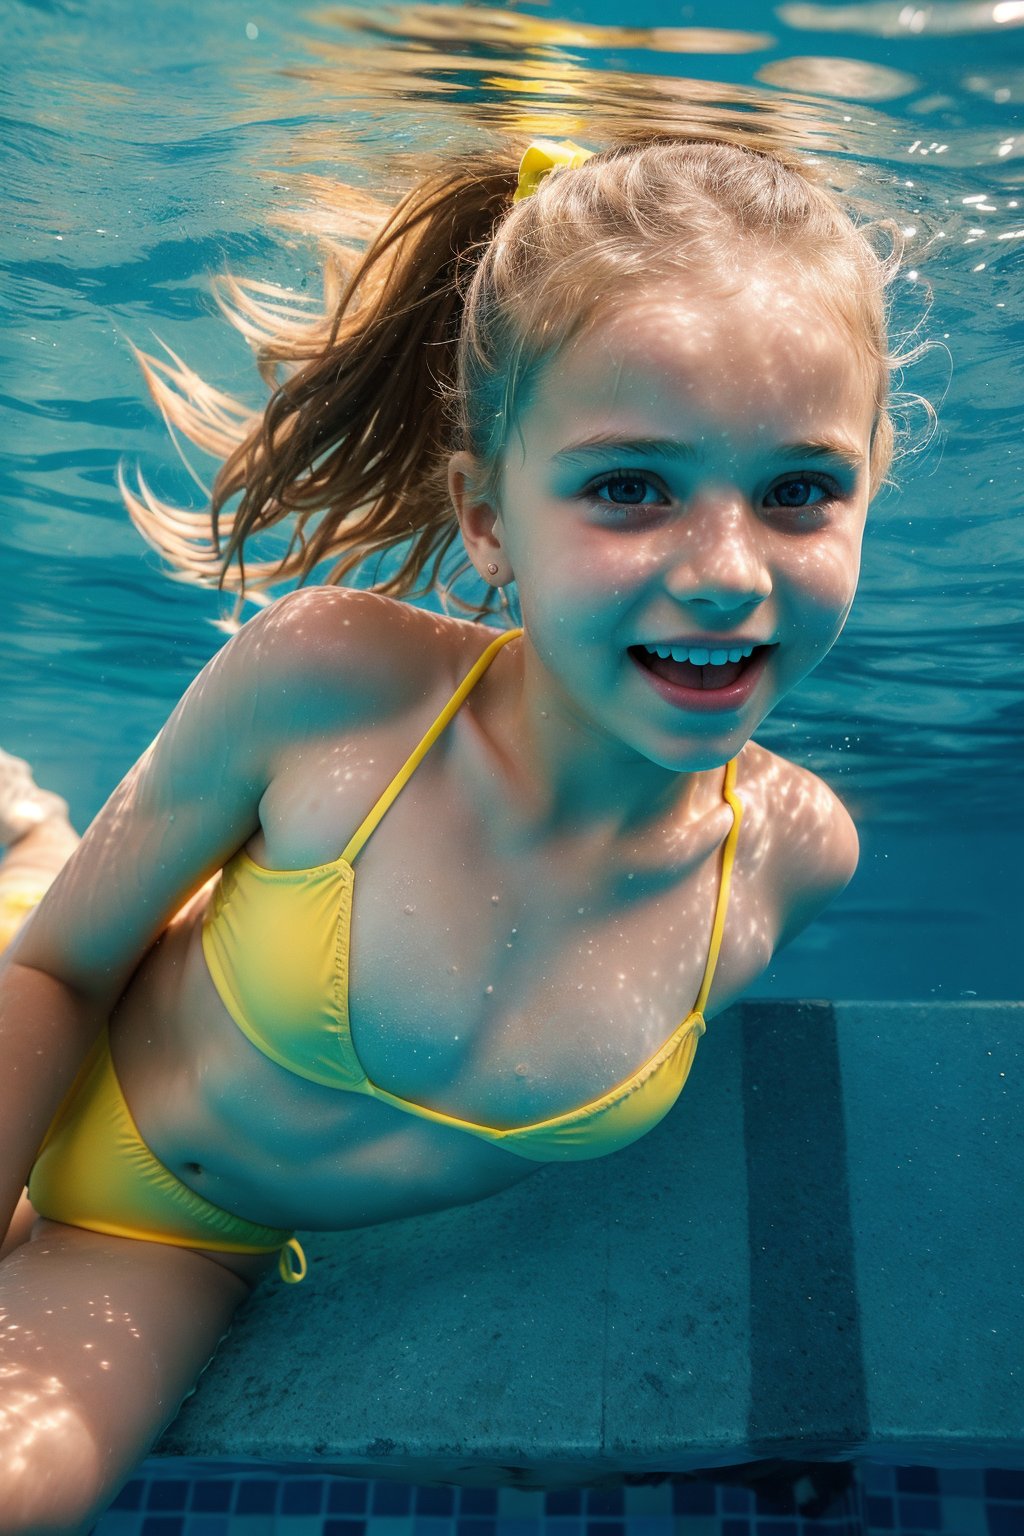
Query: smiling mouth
(685, 674)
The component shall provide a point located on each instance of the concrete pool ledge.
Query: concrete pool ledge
(818, 1254)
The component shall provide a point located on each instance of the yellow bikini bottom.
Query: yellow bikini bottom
(16, 902)
(94, 1170)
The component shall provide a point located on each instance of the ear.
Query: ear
(479, 521)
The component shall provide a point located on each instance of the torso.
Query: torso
(499, 1011)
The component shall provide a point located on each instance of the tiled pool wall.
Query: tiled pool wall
(882, 1500)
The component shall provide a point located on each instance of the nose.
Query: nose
(718, 557)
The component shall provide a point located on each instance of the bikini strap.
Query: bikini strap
(412, 762)
(728, 855)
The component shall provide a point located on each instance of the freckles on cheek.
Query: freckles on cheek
(612, 570)
(639, 561)
(828, 578)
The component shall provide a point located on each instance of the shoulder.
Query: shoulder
(312, 632)
(809, 842)
(340, 656)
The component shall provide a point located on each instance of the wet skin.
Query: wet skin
(739, 543)
(531, 917)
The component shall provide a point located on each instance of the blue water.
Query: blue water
(143, 147)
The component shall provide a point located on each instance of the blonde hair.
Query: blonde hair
(433, 339)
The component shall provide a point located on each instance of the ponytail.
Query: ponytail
(357, 430)
(433, 340)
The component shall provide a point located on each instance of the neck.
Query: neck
(572, 779)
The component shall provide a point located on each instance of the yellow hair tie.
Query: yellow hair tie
(541, 157)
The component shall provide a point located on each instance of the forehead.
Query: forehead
(762, 356)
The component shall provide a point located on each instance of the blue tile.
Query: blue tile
(435, 1501)
(474, 1528)
(693, 1498)
(131, 1495)
(879, 1513)
(563, 1501)
(432, 1525)
(917, 1480)
(208, 1525)
(735, 1528)
(1003, 1520)
(734, 1501)
(390, 1499)
(302, 1497)
(511, 1525)
(212, 1495)
(565, 1528)
(961, 1482)
(920, 1514)
(776, 1500)
(343, 1496)
(347, 1496)
(163, 1525)
(124, 1522)
(1004, 1483)
(344, 1528)
(769, 1527)
(604, 1501)
(256, 1498)
(649, 1525)
(167, 1493)
(605, 1528)
(480, 1501)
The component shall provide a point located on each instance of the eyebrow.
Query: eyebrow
(603, 443)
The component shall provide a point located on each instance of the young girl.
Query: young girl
(649, 387)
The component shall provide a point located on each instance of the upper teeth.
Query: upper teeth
(697, 655)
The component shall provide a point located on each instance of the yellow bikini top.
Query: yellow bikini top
(277, 944)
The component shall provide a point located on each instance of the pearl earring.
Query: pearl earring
(492, 569)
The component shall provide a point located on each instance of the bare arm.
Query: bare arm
(188, 803)
(819, 864)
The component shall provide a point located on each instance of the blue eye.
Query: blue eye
(627, 477)
(822, 482)
(635, 479)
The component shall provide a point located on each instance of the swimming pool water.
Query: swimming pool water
(145, 147)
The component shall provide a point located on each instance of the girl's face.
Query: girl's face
(742, 523)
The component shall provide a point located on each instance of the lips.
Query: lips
(702, 689)
(685, 674)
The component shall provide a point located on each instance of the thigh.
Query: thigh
(101, 1338)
